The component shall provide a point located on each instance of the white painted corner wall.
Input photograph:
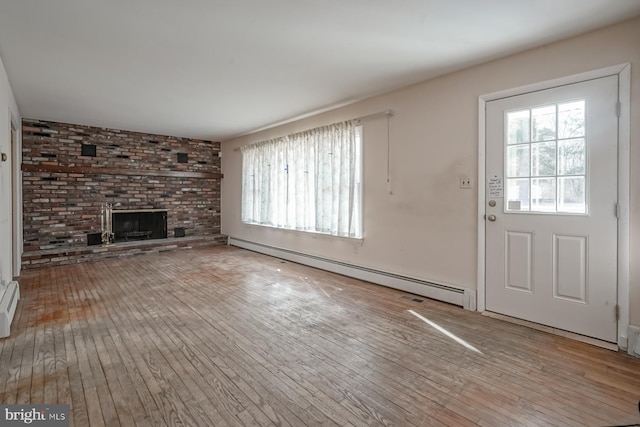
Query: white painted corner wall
(9, 114)
(424, 225)
(9, 118)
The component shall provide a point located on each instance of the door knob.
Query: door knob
(491, 218)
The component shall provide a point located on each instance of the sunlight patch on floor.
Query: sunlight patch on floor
(445, 332)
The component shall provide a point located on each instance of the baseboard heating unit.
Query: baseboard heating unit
(9, 296)
(462, 297)
(634, 341)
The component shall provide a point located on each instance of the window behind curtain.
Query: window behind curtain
(309, 181)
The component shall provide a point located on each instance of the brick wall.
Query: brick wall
(63, 190)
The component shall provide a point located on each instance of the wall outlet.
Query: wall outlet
(465, 182)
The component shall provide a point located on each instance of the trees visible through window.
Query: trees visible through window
(309, 181)
(546, 163)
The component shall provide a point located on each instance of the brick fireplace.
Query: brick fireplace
(71, 171)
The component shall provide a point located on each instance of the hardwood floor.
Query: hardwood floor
(225, 337)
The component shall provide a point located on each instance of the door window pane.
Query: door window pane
(518, 194)
(571, 194)
(543, 159)
(544, 123)
(518, 127)
(571, 119)
(571, 156)
(518, 161)
(546, 160)
(543, 194)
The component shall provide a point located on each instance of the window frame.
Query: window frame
(355, 191)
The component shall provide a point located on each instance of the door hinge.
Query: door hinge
(617, 312)
(618, 108)
(618, 210)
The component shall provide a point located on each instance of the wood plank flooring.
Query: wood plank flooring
(226, 337)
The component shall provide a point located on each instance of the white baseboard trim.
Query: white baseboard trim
(9, 296)
(462, 297)
(633, 339)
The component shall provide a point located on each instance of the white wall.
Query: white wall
(427, 228)
(8, 113)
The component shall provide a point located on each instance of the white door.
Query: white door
(551, 224)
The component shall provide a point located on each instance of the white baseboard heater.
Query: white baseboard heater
(462, 297)
(633, 347)
(9, 296)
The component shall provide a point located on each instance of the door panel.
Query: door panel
(551, 237)
(519, 260)
(570, 268)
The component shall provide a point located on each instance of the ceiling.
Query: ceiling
(215, 69)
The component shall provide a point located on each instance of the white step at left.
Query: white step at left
(9, 296)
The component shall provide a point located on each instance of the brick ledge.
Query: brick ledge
(73, 255)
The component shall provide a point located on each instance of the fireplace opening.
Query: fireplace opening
(139, 225)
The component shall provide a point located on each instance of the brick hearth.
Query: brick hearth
(69, 171)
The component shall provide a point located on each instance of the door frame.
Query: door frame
(15, 151)
(623, 71)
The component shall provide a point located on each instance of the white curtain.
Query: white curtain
(309, 181)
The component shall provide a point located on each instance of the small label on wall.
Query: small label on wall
(514, 205)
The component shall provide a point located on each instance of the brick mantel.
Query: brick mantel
(87, 170)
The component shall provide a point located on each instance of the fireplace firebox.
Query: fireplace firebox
(139, 224)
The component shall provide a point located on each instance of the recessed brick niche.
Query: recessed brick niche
(66, 181)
